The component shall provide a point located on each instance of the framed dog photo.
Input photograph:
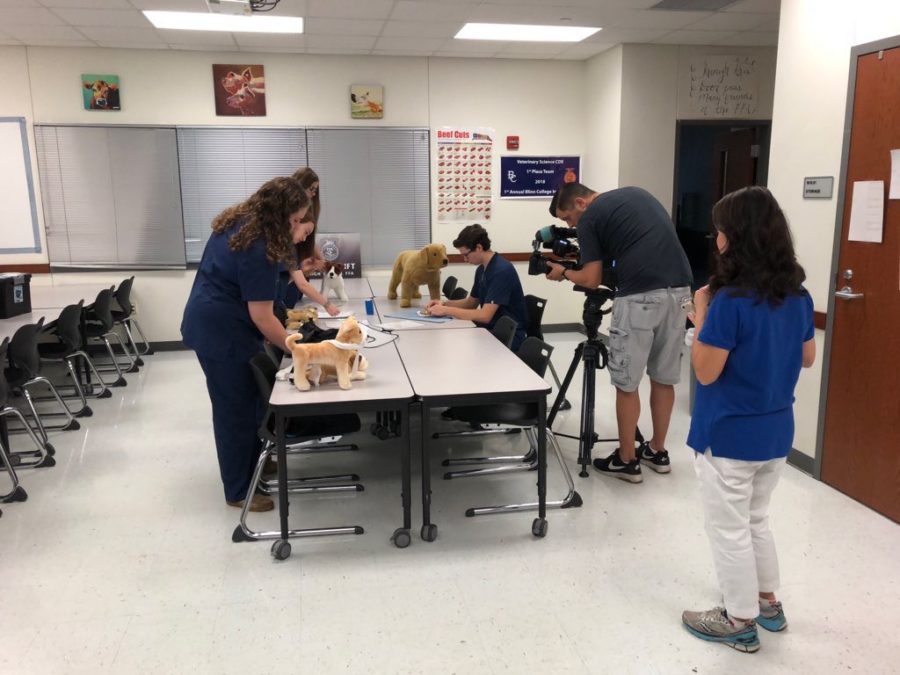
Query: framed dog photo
(100, 92)
(366, 101)
(240, 90)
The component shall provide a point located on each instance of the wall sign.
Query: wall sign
(818, 187)
(724, 86)
(536, 177)
(342, 247)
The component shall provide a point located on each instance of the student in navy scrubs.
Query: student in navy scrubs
(497, 290)
(293, 284)
(230, 312)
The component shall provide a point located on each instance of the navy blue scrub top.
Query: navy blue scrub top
(499, 284)
(217, 323)
(288, 293)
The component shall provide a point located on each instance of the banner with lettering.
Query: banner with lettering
(341, 247)
(536, 177)
(463, 173)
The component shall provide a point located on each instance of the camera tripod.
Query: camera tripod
(595, 356)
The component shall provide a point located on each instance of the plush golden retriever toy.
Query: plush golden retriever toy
(414, 268)
(298, 317)
(319, 374)
(327, 353)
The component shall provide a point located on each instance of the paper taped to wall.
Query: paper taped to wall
(867, 211)
(895, 175)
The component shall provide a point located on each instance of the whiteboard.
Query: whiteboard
(18, 213)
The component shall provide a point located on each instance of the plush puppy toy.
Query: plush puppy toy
(414, 268)
(335, 353)
(320, 374)
(298, 317)
(333, 281)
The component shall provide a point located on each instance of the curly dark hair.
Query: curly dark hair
(266, 214)
(471, 236)
(307, 177)
(759, 259)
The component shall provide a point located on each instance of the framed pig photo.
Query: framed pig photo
(240, 90)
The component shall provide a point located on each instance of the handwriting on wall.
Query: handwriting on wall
(724, 86)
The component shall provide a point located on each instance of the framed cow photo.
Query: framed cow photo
(240, 90)
(100, 92)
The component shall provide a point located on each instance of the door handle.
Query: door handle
(846, 293)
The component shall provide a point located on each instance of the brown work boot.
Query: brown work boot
(258, 504)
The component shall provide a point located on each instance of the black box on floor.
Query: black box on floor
(15, 294)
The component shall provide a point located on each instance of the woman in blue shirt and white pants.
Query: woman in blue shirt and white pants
(754, 327)
(230, 312)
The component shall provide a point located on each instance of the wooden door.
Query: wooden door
(861, 442)
(735, 160)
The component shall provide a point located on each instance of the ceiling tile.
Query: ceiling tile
(18, 3)
(135, 36)
(291, 8)
(768, 26)
(405, 10)
(196, 37)
(266, 41)
(322, 26)
(762, 6)
(354, 42)
(464, 55)
(481, 47)
(32, 16)
(30, 34)
(350, 9)
(89, 4)
(619, 35)
(414, 44)
(7, 40)
(338, 52)
(584, 50)
(103, 17)
(751, 38)
(659, 19)
(532, 49)
(730, 21)
(196, 47)
(49, 42)
(549, 15)
(426, 29)
(694, 37)
(399, 52)
(172, 5)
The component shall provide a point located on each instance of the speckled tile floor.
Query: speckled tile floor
(121, 561)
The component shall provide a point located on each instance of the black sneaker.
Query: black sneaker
(658, 461)
(614, 466)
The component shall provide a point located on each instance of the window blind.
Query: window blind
(374, 182)
(221, 167)
(111, 196)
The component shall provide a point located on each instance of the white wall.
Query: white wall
(654, 97)
(811, 82)
(603, 111)
(512, 96)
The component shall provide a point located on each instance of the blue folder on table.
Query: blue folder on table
(412, 314)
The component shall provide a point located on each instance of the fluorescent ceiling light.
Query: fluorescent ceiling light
(524, 33)
(231, 23)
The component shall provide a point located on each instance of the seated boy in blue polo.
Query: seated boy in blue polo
(496, 292)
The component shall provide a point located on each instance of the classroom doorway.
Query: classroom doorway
(711, 160)
(859, 432)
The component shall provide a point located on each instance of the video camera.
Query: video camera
(558, 240)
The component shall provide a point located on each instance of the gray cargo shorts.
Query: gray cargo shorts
(647, 333)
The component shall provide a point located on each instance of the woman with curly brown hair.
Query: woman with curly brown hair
(754, 327)
(293, 284)
(230, 312)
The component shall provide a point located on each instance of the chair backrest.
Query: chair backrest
(68, 326)
(4, 387)
(534, 309)
(101, 310)
(273, 353)
(448, 287)
(459, 294)
(123, 296)
(264, 371)
(23, 349)
(505, 330)
(536, 354)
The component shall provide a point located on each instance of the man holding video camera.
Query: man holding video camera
(630, 227)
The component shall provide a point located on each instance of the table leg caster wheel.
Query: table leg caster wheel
(401, 538)
(281, 549)
(539, 527)
(429, 532)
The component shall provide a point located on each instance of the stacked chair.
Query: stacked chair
(534, 307)
(42, 455)
(124, 317)
(99, 327)
(451, 291)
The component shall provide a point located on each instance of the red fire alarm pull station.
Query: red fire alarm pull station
(512, 142)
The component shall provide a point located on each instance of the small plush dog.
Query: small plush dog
(318, 374)
(327, 354)
(414, 268)
(298, 317)
(333, 281)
